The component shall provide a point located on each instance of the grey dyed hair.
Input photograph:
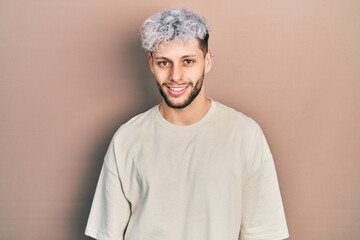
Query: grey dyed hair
(175, 23)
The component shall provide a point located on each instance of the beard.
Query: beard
(194, 93)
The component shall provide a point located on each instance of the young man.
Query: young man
(190, 168)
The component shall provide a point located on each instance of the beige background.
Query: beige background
(71, 72)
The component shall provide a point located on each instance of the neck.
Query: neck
(188, 115)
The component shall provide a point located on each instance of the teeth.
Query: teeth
(177, 89)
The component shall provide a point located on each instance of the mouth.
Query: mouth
(177, 90)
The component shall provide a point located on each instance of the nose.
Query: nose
(176, 74)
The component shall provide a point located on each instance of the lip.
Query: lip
(177, 90)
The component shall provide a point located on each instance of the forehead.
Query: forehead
(179, 48)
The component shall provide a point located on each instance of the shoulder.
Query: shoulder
(234, 119)
(136, 125)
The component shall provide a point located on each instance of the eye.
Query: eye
(163, 63)
(188, 61)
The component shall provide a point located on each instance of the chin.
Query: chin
(177, 104)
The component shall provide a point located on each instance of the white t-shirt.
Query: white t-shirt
(211, 180)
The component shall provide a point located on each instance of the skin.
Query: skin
(181, 64)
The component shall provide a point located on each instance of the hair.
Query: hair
(172, 24)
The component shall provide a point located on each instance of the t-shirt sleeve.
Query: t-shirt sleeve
(110, 210)
(263, 213)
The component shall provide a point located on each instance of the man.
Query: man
(190, 168)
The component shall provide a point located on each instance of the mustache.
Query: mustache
(177, 84)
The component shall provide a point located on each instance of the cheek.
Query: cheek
(161, 75)
(195, 73)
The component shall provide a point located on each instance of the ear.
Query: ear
(151, 62)
(208, 61)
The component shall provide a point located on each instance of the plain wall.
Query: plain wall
(71, 72)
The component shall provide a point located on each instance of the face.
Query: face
(179, 68)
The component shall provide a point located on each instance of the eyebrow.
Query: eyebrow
(161, 58)
(185, 56)
(190, 55)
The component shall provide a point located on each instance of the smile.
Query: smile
(177, 90)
